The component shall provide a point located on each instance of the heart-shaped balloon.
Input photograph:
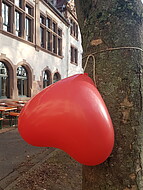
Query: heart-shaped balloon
(72, 116)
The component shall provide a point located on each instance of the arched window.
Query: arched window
(56, 77)
(46, 78)
(22, 81)
(4, 84)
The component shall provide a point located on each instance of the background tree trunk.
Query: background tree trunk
(104, 25)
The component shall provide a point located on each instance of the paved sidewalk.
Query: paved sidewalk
(13, 151)
(57, 171)
(24, 167)
(3, 130)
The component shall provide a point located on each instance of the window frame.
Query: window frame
(42, 26)
(7, 82)
(20, 23)
(59, 42)
(47, 81)
(23, 82)
(52, 40)
(30, 18)
(18, 28)
(74, 55)
(74, 28)
(58, 77)
(10, 23)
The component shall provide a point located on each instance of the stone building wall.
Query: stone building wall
(16, 51)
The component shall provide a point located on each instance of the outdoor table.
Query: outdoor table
(21, 101)
(3, 104)
(20, 104)
(4, 109)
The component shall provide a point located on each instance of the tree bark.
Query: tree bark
(115, 26)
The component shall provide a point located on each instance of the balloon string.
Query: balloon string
(93, 66)
(112, 49)
(102, 51)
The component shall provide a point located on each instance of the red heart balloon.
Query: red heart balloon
(69, 115)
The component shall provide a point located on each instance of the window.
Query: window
(18, 3)
(29, 10)
(4, 84)
(74, 55)
(54, 43)
(42, 19)
(42, 37)
(74, 29)
(42, 31)
(18, 20)
(19, 14)
(22, 81)
(71, 27)
(6, 17)
(48, 22)
(18, 29)
(29, 23)
(54, 37)
(76, 32)
(54, 27)
(46, 78)
(56, 77)
(28, 29)
(50, 35)
(59, 46)
(49, 44)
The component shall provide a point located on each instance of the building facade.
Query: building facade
(40, 43)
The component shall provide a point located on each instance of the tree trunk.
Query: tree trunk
(115, 26)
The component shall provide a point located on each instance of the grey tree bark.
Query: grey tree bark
(112, 31)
